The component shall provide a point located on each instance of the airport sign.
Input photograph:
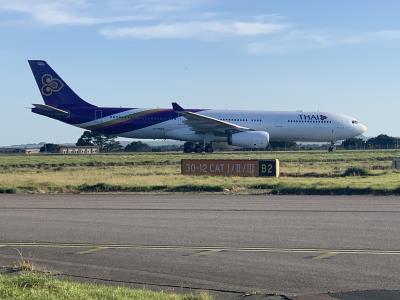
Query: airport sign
(230, 167)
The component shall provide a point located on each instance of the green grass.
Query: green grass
(302, 172)
(35, 286)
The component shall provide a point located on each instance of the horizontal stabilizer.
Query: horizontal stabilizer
(50, 111)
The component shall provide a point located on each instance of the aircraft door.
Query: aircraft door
(98, 114)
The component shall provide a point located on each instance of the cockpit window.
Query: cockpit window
(354, 122)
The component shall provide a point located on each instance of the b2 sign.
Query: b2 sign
(230, 167)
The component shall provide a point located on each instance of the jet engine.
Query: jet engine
(249, 139)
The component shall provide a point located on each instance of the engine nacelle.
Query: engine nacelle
(249, 139)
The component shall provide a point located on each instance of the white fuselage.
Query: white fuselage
(281, 126)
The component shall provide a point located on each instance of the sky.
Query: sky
(337, 56)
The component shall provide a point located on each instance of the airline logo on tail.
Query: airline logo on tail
(50, 85)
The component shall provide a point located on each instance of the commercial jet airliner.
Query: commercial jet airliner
(199, 128)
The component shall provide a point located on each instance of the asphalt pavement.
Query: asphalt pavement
(229, 245)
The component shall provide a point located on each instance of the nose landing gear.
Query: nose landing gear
(332, 147)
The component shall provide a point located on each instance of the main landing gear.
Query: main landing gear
(190, 147)
(209, 149)
(332, 147)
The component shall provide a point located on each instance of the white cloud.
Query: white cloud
(251, 28)
(67, 12)
(90, 12)
(157, 6)
(289, 41)
(183, 19)
(195, 30)
(306, 40)
(46, 12)
(388, 34)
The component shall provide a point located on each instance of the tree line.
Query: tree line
(381, 141)
(108, 143)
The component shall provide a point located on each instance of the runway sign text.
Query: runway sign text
(230, 167)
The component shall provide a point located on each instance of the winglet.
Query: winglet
(176, 107)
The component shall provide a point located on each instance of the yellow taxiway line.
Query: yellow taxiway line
(326, 255)
(90, 251)
(202, 250)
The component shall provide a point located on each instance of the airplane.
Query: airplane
(199, 128)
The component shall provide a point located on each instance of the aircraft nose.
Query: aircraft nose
(363, 128)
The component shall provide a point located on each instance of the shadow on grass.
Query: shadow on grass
(104, 188)
(8, 190)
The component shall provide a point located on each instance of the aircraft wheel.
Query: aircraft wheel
(332, 147)
(188, 147)
(209, 149)
(198, 149)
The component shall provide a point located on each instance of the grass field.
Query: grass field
(35, 286)
(302, 172)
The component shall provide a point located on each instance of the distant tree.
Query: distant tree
(112, 146)
(86, 139)
(353, 143)
(105, 142)
(52, 148)
(138, 147)
(382, 141)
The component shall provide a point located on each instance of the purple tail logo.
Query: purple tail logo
(50, 85)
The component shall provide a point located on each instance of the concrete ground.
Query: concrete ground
(229, 245)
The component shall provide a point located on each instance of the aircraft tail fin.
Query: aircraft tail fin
(55, 92)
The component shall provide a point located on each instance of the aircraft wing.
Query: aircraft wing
(202, 123)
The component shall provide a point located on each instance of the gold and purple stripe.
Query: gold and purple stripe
(124, 119)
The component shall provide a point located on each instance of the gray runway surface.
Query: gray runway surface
(271, 244)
